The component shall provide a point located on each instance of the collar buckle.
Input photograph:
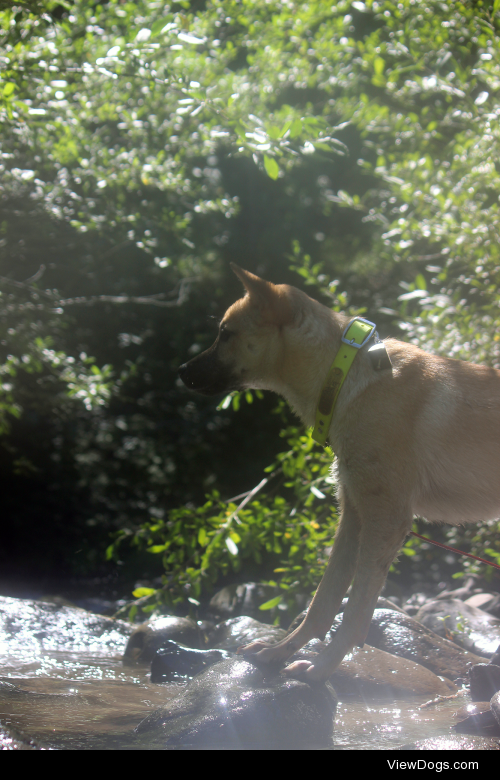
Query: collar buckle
(361, 331)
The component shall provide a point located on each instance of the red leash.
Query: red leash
(453, 549)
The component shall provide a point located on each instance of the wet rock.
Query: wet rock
(232, 633)
(243, 599)
(235, 704)
(151, 636)
(475, 708)
(9, 740)
(405, 637)
(495, 658)
(384, 603)
(495, 706)
(101, 606)
(38, 625)
(494, 606)
(175, 662)
(467, 626)
(366, 672)
(373, 674)
(490, 602)
(451, 742)
(463, 592)
(484, 681)
(483, 723)
(480, 600)
(413, 604)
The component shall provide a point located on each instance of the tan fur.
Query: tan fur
(422, 439)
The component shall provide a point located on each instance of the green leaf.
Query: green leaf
(158, 26)
(8, 89)
(378, 66)
(138, 593)
(202, 537)
(296, 128)
(420, 282)
(225, 402)
(285, 127)
(158, 548)
(271, 603)
(271, 166)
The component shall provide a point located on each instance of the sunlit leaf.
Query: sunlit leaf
(271, 603)
(189, 38)
(231, 546)
(138, 593)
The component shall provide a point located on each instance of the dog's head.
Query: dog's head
(249, 346)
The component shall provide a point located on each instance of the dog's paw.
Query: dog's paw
(305, 671)
(264, 652)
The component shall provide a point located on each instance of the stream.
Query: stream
(74, 701)
(65, 685)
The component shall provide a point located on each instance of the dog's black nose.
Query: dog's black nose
(183, 372)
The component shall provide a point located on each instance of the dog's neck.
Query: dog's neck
(322, 329)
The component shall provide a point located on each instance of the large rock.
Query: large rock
(405, 637)
(484, 681)
(467, 626)
(495, 706)
(173, 662)
(370, 673)
(240, 599)
(235, 704)
(149, 637)
(482, 723)
(37, 625)
(238, 631)
(366, 673)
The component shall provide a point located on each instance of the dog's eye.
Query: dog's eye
(225, 334)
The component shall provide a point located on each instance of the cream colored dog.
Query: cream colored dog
(420, 439)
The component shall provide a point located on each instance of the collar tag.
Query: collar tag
(355, 336)
(379, 358)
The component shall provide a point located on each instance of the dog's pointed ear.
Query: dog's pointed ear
(272, 300)
(254, 285)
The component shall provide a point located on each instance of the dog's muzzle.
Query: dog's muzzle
(207, 375)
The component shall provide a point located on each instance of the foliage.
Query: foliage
(351, 148)
(290, 537)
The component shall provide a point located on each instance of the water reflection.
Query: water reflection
(75, 701)
(359, 726)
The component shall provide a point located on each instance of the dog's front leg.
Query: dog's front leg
(378, 547)
(328, 598)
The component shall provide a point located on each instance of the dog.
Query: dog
(421, 437)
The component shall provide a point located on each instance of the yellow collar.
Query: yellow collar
(355, 336)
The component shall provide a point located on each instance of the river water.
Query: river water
(77, 701)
